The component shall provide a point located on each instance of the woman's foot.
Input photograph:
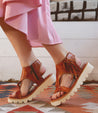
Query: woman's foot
(25, 92)
(66, 81)
(70, 75)
(27, 83)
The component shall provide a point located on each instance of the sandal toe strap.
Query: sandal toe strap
(63, 89)
(17, 94)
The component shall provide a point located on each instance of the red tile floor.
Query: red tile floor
(84, 101)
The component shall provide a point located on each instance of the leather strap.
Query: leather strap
(17, 94)
(67, 66)
(63, 89)
(33, 73)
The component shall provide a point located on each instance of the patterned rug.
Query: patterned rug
(84, 101)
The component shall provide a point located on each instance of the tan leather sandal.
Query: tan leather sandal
(32, 73)
(79, 73)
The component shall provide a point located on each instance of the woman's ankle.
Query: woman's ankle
(60, 59)
(27, 62)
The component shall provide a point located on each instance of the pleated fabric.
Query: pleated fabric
(33, 18)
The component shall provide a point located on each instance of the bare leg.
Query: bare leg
(23, 50)
(20, 44)
(58, 53)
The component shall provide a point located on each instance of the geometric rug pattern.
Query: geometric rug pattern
(85, 100)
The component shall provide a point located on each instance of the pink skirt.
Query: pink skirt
(31, 17)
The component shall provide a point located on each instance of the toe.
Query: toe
(61, 93)
(53, 96)
(58, 94)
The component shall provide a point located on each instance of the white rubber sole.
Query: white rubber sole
(87, 70)
(49, 81)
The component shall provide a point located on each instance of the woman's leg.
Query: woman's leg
(58, 53)
(23, 51)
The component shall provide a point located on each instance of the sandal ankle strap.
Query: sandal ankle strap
(32, 72)
(67, 66)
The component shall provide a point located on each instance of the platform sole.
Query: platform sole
(48, 82)
(87, 70)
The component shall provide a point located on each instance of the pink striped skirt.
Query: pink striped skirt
(31, 17)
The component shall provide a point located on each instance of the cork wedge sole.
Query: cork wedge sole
(47, 82)
(87, 70)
